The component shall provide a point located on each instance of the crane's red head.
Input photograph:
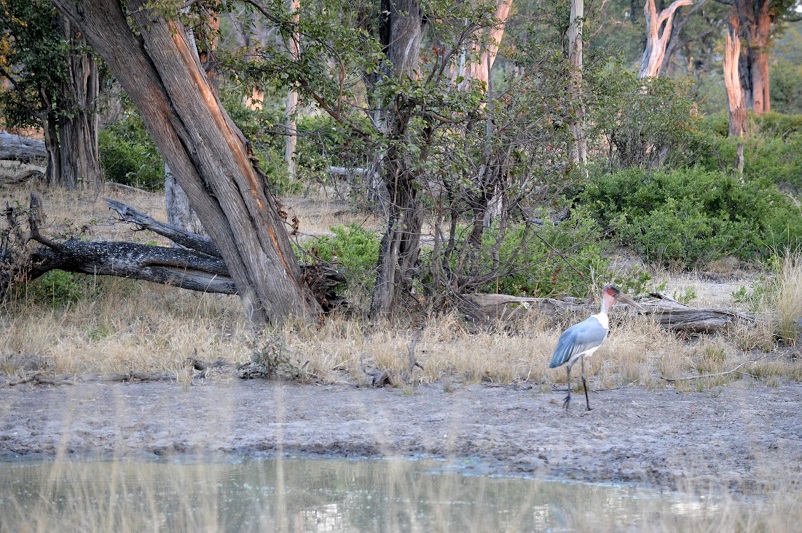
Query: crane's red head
(611, 291)
(612, 294)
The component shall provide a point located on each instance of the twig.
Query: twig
(717, 374)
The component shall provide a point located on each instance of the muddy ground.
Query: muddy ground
(744, 437)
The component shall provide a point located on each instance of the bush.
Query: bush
(556, 260)
(642, 123)
(354, 250)
(58, 288)
(128, 155)
(692, 216)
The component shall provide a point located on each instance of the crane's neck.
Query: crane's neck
(607, 302)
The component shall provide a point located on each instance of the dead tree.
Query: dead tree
(196, 264)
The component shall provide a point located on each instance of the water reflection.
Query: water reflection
(316, 496)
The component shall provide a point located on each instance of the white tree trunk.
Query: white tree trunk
(658, 32)
(577, 125)
(292, 97)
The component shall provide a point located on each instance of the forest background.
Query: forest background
(481, 147)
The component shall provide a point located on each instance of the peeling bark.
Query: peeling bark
(732, 81)
(658, 33)
(755, 28)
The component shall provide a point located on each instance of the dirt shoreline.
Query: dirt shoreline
(743, 438)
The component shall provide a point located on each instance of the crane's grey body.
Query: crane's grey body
(581, 340)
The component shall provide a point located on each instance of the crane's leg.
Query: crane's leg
(567, 400)
(584, 383)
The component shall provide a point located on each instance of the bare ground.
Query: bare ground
(743, 438)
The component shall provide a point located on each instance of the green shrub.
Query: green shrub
(778, 124)
(354, 250)
(786, 86)
(59, 288)
(556, 260)
(690, 216)
(641, 123)
(128, 155)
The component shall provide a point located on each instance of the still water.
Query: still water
(317, 495)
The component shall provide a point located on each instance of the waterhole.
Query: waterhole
(319, 495)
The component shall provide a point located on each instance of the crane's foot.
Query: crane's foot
(567, 401)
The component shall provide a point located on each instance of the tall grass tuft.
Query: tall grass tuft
(787, 298)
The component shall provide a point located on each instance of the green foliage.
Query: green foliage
(129, 156)
(35, 55)
(557, 260)
(58, 288)
(786, 87)
(691, 216)
(645, 121)
(355, 251)
(772, 151)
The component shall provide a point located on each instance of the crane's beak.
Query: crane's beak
(624, 299)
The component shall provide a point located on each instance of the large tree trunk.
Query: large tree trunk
(732, 81)
(72, 141)
(480, 70)
(755, 23)
(657, 40)
(204, 149)
(401, 33)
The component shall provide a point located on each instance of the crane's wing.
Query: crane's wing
(577, 339)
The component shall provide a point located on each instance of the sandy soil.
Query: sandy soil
(744, 437)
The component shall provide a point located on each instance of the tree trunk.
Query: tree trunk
(732, 81)
(292, 97)
(674, 41)
(480, 70)
(401, 33)
(755, 24)
(72, 139)
(657, 40)
(204, 149)
(176, 202)
(577, 125)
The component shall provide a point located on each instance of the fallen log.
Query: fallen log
(667, 313)
(196, 266)
(181, 237)
(22, 149)
(21, 159)
(169, 266)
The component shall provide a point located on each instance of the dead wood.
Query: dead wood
(169, 266)
(39, 378)
(135, 376)
(22, 149)
(322, 279)
(196, 265)
(184, 238)
(21, 159)
(668, 314)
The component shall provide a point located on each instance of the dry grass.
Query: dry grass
(786, 301)
(118, 325)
